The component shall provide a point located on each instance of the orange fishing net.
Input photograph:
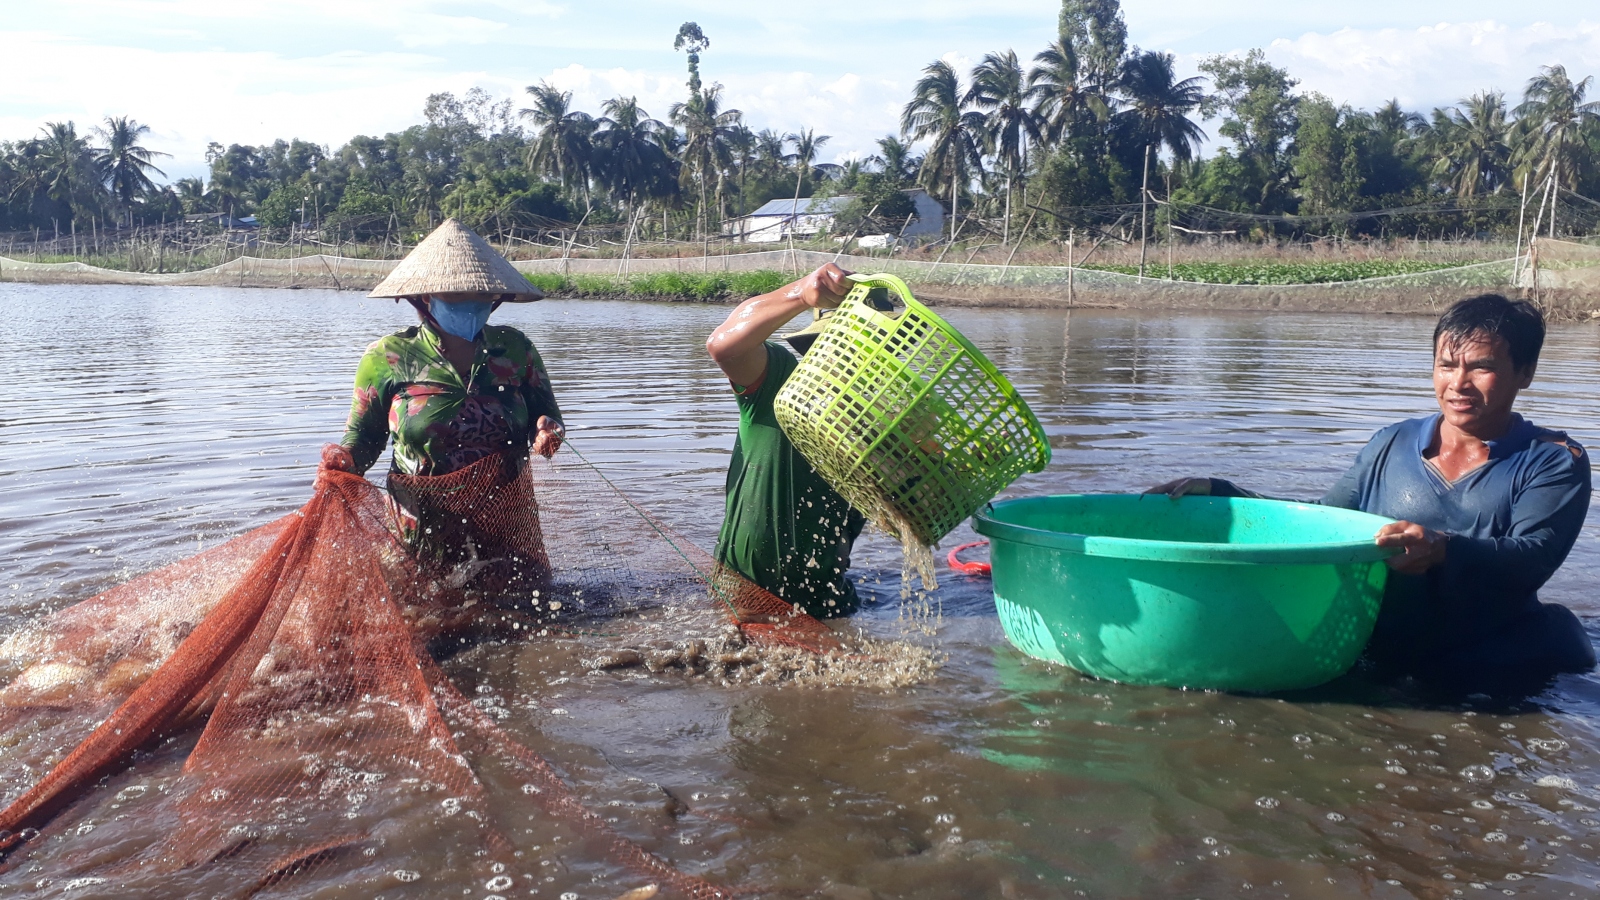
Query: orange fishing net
(307, 648)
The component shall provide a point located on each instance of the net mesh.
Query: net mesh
(1424, 292)
(332, 740)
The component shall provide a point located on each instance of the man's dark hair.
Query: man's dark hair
(1491, 315)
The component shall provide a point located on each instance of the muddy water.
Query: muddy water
(140, 424)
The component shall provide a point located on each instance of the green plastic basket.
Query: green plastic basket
(905, 418)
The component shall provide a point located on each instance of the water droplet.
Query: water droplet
(1335, 817)
(1302, 740)
(499, 883)
(1267, 802)
(1478, 774)
(1495, 837)
(405, 875)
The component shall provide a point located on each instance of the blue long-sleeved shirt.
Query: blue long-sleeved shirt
(1511, 523)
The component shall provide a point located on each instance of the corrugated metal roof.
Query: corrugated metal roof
(808, 206)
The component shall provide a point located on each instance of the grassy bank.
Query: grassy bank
(663, 285)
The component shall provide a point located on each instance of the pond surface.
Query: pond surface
(140, 424)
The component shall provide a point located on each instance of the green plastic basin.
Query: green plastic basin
(1201, 592)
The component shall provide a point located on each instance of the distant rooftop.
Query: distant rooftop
(808, 206)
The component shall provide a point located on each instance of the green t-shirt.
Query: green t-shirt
(785, 528)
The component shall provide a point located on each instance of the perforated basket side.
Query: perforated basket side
(905, 418)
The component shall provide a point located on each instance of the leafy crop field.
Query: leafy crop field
(726, 285)
(1281, 272)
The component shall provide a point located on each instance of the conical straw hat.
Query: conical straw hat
(454, 259)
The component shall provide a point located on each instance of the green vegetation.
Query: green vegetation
(714, 286)
(1282, 273)
(1089, 136)
(663, 285)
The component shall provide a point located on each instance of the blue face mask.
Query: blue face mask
(463, 318)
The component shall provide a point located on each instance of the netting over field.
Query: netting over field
(330, 740)
(1564, 267)
(986, 284)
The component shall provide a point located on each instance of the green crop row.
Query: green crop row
(662, 285)
(1281, 273)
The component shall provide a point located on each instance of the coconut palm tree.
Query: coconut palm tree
(562, 147)
(706, 130)
(192, 195)
(1394, 123)
(1158, 105)
(742, 151)
(937, 113)
(1061, 100)
(1555, 113)
(897, 159)
(124, 162)
(1010, 126)
(67, 170)
(807, 144)
(1470, 145)
(772, 160)
(631, 152)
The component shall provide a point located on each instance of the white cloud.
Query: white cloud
(325, 70)
(191, 98)
(1436, 65)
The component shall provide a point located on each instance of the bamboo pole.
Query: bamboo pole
(1021, 236)
(1169, 224)
(1072, 233)
(1144, 210)
(1522, 215)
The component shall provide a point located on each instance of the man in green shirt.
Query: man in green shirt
(785, 528)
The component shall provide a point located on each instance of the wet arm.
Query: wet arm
(737, 346)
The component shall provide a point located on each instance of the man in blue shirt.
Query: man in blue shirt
(1488, 506)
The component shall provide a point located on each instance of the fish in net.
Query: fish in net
(272, 708)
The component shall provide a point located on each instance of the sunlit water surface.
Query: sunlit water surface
(140, 424)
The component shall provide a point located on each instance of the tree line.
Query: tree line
(1080, 135)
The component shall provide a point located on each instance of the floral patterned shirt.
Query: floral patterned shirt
(406, 388)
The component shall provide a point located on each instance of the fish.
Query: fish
(46, 684)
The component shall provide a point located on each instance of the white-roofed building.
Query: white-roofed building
(811, 216)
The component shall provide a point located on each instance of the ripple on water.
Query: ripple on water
(199, 412)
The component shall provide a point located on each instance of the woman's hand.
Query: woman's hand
(1183, 487)
(548, 439)
(337, 458)
(1424, 547)
(823, 289)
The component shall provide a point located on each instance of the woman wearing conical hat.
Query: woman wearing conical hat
(462, 402)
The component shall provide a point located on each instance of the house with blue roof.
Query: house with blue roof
(808, 217)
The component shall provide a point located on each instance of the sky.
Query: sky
(198, 71)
